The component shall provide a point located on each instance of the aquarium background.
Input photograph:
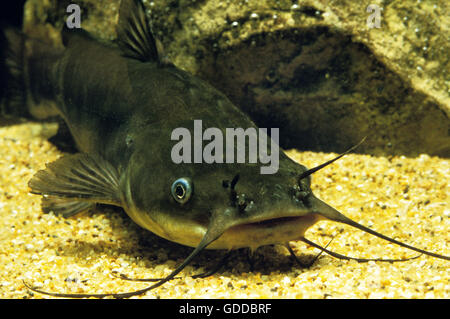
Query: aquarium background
(320, 73)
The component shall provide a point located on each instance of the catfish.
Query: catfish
(120, 102)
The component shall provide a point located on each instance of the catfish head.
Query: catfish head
(248, 209)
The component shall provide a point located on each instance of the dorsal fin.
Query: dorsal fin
(134, 35)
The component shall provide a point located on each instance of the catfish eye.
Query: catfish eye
(182, 190)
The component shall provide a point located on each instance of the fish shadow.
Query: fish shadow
(265, 260)
(141, 244)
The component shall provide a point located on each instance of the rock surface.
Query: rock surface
(313, 68)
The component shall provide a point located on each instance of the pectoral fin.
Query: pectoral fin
(64, 206)
(75, 183)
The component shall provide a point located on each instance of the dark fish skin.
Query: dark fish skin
(123, 110)
(121, 104)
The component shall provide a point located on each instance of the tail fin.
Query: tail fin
(13, 91)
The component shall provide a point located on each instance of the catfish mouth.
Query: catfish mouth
(266, 231)
(272, 222)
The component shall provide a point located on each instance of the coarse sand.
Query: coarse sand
(405, 198)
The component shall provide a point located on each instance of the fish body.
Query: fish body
(120, 111)
(121, 103)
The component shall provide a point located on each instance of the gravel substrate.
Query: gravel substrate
(405, 198)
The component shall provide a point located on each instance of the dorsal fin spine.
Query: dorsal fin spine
(134, 34)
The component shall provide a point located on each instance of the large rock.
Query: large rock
(315, 69)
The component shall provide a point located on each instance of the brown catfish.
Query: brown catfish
(121, 103)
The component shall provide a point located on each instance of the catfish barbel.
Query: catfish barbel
(121, 102)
